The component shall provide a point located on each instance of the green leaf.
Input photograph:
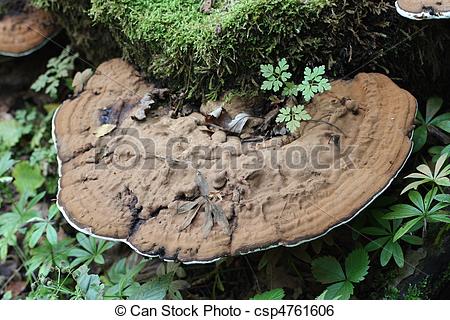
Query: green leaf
(6, 163)
(267, 85)
(440, 118)
(277, 84)
(443, 198)
(434, 104)
(90, 285)
(429, 198)
(275, 294)
(397, 252)
(416, 198)
(267, 70)
(327, 270)
(36, 235)
(386, 253)
(52, 211)
(153, 290)
(10, 133)
(290, 90)
(406, 227)
(341, 290)
(52, 236)
(27, 177)
(439, 218)
(285, 76)
(444, 125)
(357, 265)
(293, 125)
(415, 240)
(83, 240)
(438, 207)
(377, 244)
(374, 231)
(283, 65)
(413, 185)
(420, 138)
(400, 211)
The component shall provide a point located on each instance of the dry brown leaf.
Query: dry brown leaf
(187, 207)
(207, 226)
(237, 124)
(188, 221)
(202, 184)
(220, 117)
(144, 105)
(220, 218)
(104, 129)
(80, 80)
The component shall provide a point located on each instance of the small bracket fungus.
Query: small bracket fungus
(24, 30)
(424, 9)
(167, 188)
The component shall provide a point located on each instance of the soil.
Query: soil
(25, 32)
(418, 6)
(124, 184)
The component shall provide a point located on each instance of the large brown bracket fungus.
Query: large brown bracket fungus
(172, 188)
(424, 9)
(24, 29)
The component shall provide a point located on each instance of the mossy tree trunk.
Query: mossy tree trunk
(177, 44)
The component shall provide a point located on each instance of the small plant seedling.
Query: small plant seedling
(292, 117)
(423, 212)
(44, 225)
(328, 270)
(438, 177)
(385, 232)
(58, 69)
(277, 78)
(90, 250)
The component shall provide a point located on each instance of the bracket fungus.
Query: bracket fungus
(423, 9)
(24, 29)
(167, 188)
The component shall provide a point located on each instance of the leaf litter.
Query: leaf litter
(214, 214)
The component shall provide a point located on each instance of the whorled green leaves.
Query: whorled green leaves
(437, 177)
(425, 210)
(430, 122)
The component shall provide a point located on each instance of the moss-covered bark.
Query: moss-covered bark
(174, 42)
(93, 39)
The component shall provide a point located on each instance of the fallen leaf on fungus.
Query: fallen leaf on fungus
(80, 80)
(222, 119)
(104, 130)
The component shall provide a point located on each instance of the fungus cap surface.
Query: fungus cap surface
(126, 180)
(424, 9)
(25, 32)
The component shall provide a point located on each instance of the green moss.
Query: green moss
(174, 42)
